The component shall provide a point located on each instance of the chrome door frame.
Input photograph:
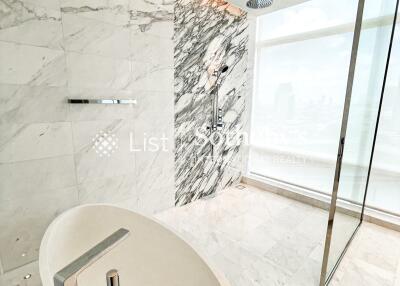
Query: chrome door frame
(325, 277)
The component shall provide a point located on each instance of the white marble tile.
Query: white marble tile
(49, 4)
(89, 71)
(244, 268)
(89, 164)
(290, 252)
(19, 180)
(151, 6)
(307, 275)
(95, 37)
(156, 200)
(30, 65)
(36, 23)
(385, 252)
(155, 180)
(154, 118)
(372, 258)
(24, 104)
(239, 228)
(114, 12)
(29, 223)
(362, 273)
(152, 49)
(257, 241)
(151, 77)
(251, 246)
(160, 28)
(154, 170)
(21, 142)
(153, 104)
(108, 190)
(152, 17)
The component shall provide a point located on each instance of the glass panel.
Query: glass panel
(368, 80)
(297, 110)
(384, 184)
(314, 15)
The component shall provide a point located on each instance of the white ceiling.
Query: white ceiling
(278, 4)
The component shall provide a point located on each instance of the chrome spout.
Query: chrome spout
(112, 278)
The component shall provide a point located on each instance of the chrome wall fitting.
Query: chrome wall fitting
(69, 274)
(112, 278)
(102, 101)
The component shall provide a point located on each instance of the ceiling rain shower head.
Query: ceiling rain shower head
(258, 4)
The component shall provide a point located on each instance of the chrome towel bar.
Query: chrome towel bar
(102, 101)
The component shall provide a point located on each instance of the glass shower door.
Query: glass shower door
(372, 39)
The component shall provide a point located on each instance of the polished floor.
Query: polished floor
(373, 259)
(255, 237)
(258, 238)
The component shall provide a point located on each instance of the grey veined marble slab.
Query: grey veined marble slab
(208, 35)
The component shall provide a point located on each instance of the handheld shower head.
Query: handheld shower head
(219, 72)
(223, 69)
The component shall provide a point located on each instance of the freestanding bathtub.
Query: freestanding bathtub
(151, 255)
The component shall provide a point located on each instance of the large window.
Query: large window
(302, 59)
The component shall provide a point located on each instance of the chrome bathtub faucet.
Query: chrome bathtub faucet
(112, 278)
(69, 274)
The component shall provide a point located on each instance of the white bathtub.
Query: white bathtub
(152, 255)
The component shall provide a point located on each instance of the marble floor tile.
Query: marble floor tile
(255, 259)
(372, 258)
(253, 236)
(16, 277)
(20, 240)
(256, 237)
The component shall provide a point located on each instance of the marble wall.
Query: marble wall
(208, 35)
(52, 50)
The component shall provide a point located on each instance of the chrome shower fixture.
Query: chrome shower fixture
(217, 123)
(220, 71)
(258, 4)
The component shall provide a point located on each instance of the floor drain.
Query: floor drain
(240, 187)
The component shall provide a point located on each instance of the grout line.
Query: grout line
(37, 159)
(68, 110)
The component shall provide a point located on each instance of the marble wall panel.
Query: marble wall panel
(208, 35)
